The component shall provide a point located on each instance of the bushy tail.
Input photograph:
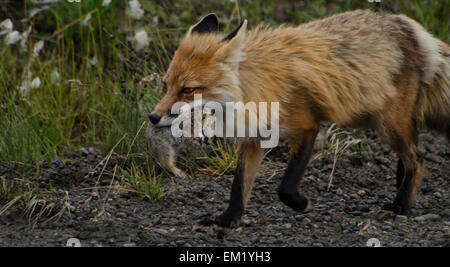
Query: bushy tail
(434, 110)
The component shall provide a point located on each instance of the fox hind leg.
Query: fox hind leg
(400, 173)
(410, 167)
(300, 154)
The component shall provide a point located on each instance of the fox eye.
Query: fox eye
(189, 90)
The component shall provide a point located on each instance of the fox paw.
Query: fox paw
(226, 220)
(296, 201)
(397, 208)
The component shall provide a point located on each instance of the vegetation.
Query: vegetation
(72, 78)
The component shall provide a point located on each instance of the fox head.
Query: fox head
(206, 63)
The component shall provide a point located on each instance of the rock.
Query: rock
(401, 217)
(382, 194)
(419, 219)
(161, 231)
(287, 225)
(427, 217)
(129, 245)
(121, 214)
(445, 212)
(180, 242)
(361, 193)
(339, 192)
(437, 194)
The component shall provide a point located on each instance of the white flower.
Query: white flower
(155, 20)
(12, 38)
(106, 2)
(36, 11)
(55, 76)
(141, 39)
(86, 20)
(25, 86)
(135, 10)
(24, 38)
(36, 83)
(6, 26)
(93, 61)
(37, 48)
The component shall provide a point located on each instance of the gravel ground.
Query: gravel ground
(101, 214)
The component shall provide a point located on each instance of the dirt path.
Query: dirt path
(348, 215)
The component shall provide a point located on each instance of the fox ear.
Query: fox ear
(232, 34)
(208, 24)
(231, 51)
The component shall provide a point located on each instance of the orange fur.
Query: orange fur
(357, 69)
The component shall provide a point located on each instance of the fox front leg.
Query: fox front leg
(250, 155)
(249, 158)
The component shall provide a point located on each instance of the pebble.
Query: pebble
(121, 214)
(180, 242)
(382, 194)
(445, 212)
(319, 227)
(428, 217)
(161, 231)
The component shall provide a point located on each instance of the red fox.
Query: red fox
(359, 69)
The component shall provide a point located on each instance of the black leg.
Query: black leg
(249, 158)
(232, 215)
(299, 160)
(400, 173)
(410, 168)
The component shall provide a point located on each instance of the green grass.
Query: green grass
(222, 159)
(145, 183)
(102, 105)
(33, 201)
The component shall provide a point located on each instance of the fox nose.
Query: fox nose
(154, 118)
